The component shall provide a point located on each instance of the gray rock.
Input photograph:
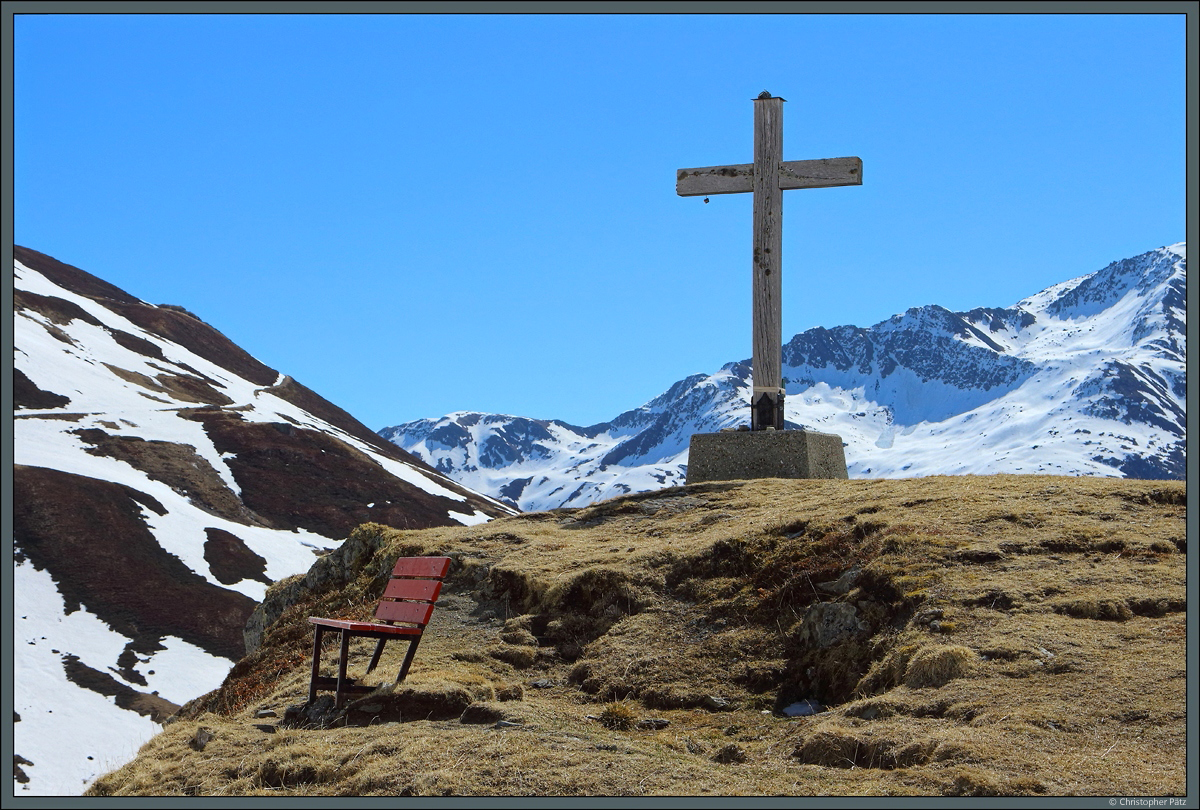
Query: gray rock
(842, 584)
(827, 623)
(201, 738)
(332, 570)
(928, 615)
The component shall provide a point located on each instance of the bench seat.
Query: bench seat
(368, 628)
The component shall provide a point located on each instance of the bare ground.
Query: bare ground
(1000, 635)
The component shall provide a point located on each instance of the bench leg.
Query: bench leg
(408, 659)
(316, 665)
(343, 657)
(375, 658)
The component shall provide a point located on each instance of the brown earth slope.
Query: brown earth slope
(92, 535)
(1004, 635)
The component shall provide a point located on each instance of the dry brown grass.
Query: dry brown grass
(971, 636)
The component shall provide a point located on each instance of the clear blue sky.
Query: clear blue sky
(414, 215)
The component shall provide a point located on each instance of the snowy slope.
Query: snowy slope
(163, 478)
(1084, 378)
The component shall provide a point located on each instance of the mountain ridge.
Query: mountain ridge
(1089, 371)
(163, 478)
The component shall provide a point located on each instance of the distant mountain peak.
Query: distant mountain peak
(1085, 377)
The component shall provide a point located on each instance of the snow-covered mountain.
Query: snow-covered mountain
(1084, 378)
(163, 478)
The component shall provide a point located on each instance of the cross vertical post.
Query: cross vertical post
(766, 401)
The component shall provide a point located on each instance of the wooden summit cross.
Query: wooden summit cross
(768, 177)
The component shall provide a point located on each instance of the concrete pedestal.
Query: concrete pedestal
(740, 455)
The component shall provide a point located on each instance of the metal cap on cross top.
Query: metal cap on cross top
(767, 178)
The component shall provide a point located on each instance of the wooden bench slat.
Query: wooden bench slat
(426, 590)
(362, 628)
(328, 683)
(410, 612)
(421, 567)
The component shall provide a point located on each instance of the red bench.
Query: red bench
(403, 611)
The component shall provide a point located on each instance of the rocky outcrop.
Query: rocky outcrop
(329, 572)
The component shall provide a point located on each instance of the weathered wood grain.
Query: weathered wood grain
(820, 173)
(715, 180)
(793, 174)
(768, 249)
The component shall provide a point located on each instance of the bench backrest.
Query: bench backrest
(412, 590)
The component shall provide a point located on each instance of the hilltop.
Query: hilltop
(965, 635)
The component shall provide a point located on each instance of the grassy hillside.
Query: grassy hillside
(1000, 635)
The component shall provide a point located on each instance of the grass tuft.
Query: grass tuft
(938, 665)
(618, 716)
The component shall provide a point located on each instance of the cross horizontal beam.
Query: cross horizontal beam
(820, 173)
